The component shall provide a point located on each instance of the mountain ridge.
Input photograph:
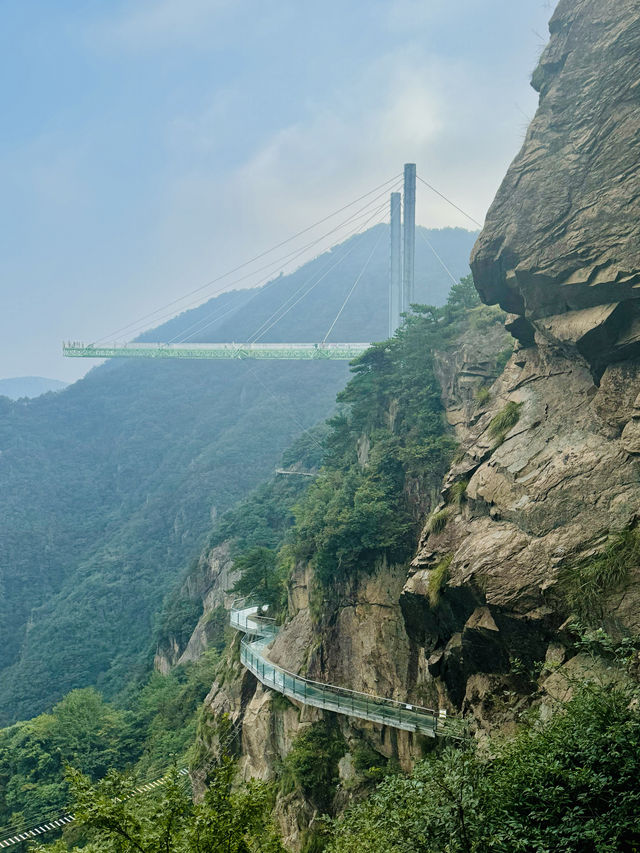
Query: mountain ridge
(110, 486)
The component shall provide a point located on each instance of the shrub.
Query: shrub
(482, 395)
(457, 492)
(437, 579)
(438, 521)
(312, 763)
(369, 764)
(567, 785)
(584, 585)
(504, 421)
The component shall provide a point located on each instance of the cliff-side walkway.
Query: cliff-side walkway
(260, 631)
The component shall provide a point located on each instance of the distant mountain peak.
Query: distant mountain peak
(29, 386)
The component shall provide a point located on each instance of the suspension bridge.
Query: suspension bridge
(260, 631)
(374, 207)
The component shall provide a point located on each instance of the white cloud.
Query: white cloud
(155, 23)
(391, 114)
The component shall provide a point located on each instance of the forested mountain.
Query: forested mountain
(109, 487)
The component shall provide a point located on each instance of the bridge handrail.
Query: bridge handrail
(346, 691)
(380, 701)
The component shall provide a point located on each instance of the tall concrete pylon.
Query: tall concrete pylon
(408, 261)
(395, 289)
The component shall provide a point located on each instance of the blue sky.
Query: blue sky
(148, 145)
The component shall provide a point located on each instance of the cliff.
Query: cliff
(533, 537)
(560, 248)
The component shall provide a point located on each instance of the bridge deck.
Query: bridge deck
(301, 351)
(259, 632)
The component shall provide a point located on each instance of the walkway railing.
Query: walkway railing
(259, 632)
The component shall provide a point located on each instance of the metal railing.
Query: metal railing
(260, 631)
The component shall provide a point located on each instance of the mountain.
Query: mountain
(29, 386)
(518, 602)
(109, 487)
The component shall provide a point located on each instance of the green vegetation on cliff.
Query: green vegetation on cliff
(570, 784)
(157, 727)
(229, 818)
(387, 451)
(567, 784)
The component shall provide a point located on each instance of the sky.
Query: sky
(147, 146)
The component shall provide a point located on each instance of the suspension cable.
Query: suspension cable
(441, 262)
(268, 281)
(448, 200)
(321, 278)
(248, 262)
(355, 284)
(310, 278)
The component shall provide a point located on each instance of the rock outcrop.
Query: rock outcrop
(208, 587)
(549, 465)
(561, 244)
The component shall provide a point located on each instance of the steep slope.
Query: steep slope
(345, 553)
(528, 566)
(560, 247)
(109, 487)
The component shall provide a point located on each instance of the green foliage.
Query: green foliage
(458, 491)
(369, 764)
(112, 818)
(482, 395)
(260, 576)
(108, 490)
(584, 585)
(571, 785)
(438, 521)
(179, 618)
(217, 629)
(81, 729)
(165, 712)
(312, 763)
(599, 644)
(258, 524)
(568, 785)
(84, 731)
(437, 579)
(463, 295)
(504, 421)
(363, 505)
(433, 810)
(503, 357)
(314, 840)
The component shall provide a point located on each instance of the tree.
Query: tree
(112, 817)
(260, 575)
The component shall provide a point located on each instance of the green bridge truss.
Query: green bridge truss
(342, 352)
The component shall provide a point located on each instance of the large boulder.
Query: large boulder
(562, 236)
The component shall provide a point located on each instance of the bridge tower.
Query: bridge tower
(408, 284)
(395, 290)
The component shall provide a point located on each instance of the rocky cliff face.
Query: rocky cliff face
(358, 639)
(208, 587)
(560, 248)
(548, 472)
